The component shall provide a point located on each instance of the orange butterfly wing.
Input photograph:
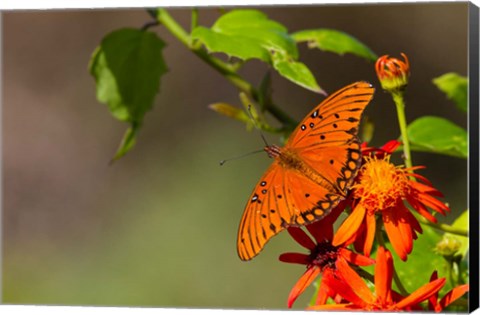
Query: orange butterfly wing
(326, 142)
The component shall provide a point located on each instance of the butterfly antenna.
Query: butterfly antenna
(256, 126)
(240, 156)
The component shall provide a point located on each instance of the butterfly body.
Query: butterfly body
(311, 174)
(288, 159)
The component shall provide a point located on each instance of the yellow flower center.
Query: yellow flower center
(381, 184)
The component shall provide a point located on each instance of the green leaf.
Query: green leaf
(456, 88)
(296, 72)
(127, 67)
(438, 135)
(249, 34)
(127, 143)
(334, 41)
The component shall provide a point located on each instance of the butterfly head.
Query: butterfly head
(273, 151)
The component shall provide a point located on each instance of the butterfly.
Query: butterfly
(311, 174)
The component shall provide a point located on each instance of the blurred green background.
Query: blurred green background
(158, 228)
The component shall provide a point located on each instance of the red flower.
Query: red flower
(435, 305)
(382, 188)
(359, 296)
(323, 257)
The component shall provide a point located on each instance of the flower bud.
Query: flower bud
(393, 73)
(448, 246)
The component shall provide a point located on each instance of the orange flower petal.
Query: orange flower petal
(349, 226)
(433, 203)
(394, 233)
(333, 307)
(357, 291)
(325, 291)
(406, 226)
(419, 177)
(383, 275)
(356, 259)
(432, 301)
(452, 296)
(420, 208)
(370, 234)
(421, 294)
(305, 280)
(412, 221)
(425, 189)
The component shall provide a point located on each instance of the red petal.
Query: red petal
(452, 296)
(324, 291)
(356, 259)
(383, 275)
(422, 178)
(356, 290)
(425, 189)
(370, 234)
(433, 203)
(358, 239)
(410, 218)
(305, 280)
(323, 230)
(391, 146)
(407, 226)
(301, 237)
(394, 233)
(432, 301)
(349, 226)
(294, 258)
(420, 208)
(421, 294)
(333, 307)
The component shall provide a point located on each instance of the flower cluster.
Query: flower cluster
(379, 199)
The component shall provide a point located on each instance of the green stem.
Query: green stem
(443, 227)
(400, 105)
(450, 272)
(194, 23)
(223, 68)
(402, 121)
